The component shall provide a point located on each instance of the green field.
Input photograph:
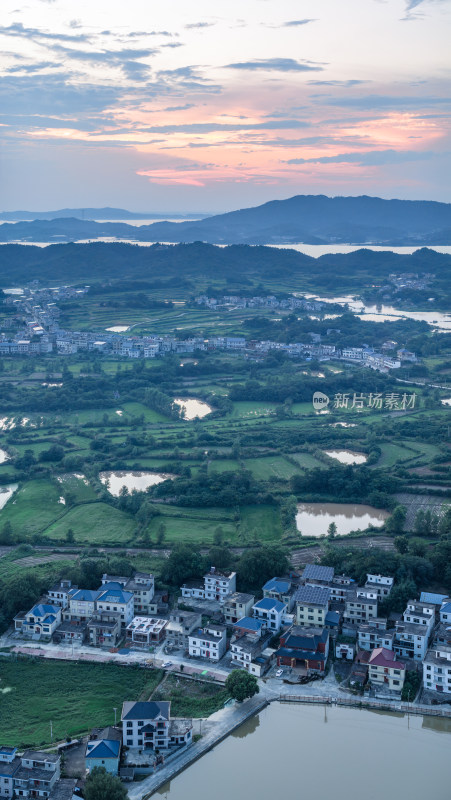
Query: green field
(93, 523)
(271, 467)
(73, 696)
(33, 507)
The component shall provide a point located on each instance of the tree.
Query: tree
(257, 566)
(395, 523)
(218, 536)
(332, 530)
(100, 785)
(161, 533)
(184, 563)
(70, 536)
(6, 536)
(401, 543)
(241, 684)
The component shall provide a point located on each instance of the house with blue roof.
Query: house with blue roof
(248, 626)
(445, 613)
(40, 622)
(280, 589)
(112, 597)
(304, 648)
(104, 750)
(432, 597)
(270, 613)
(82, 605)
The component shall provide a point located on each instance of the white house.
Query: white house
(381, 583)
(270, 612)
(148, 725)
(113, 598)
(41, 621)
(209, 642)
(445, 613)
(218, 585)
(411, 640)
(437, 669)
(420, 614)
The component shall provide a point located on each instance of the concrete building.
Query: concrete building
(270, 612)
(148, 726)
(237, 606)
(103, 749)
(380, 583)
(312, 605)
(208, 642)
(145, 632)
(385, 670)
(437, 669)
(179, 627)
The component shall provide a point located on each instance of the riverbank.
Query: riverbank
(217, 728)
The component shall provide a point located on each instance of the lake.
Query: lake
(313, 519)
(347, 456)
(118, 328)
(320, 752)
(132, 480)
(193, 408)
(383, 313)
(6, 492)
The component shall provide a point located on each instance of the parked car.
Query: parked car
(279, 673)
(167, 664)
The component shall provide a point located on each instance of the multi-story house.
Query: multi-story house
(112, 597)
(141, 585)
(248, 626)
(360, 608)
(218, 585)
(437, 669)
(316, 575)
(381, 583)
(181, 624)
(209, 642)
(370, 638)
(420, 614)
(312, 605)
(281, 589)
(34, 774)
(252, 654)
(145, 632)
(82, 605)
(237, 606)
(307, 648)
(445, 613)
(40, 622)
(60, 593)
(104, 629)
(103, 749)
(411, 640)
(270, 612)
(148, 725)
(385, 670)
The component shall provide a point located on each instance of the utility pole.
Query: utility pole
(115, 715)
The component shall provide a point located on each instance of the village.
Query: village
(307, 628)
(37, 315)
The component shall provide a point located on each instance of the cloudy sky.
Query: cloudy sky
(208, 106)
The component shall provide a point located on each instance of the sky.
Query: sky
(203, 107)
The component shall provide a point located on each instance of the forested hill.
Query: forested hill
(313, 219)
(239, 264)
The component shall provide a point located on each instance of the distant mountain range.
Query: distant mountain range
(309, 219)
(89, 214)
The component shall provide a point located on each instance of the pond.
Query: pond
(313, 519)
(6, 492)
(323, 752)
(446, 402)
(132, 480)
(3, 456)
(118, 328)
(193, 407)
(347, 456)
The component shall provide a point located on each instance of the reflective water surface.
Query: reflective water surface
(320, 752)
(313, 519)
(132, 480)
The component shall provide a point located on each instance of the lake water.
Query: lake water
(193, 408)
(3, 456)
(347, 456)
(383, 313)
(132, 480)
(118, 328)
(313, 519)
(6, 492)
(446, 402)
(320, 752)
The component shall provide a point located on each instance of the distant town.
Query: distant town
(37, 315)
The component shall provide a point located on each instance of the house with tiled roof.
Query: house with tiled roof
(270, 613)
(445, 613)
(237, 606)
(303, 647)
(112, 597)
(148, 726)
(33, 774)
(40, 622)
(248, 626)
(317, 574)
(103, 749)
(281, 589)
(384, 669)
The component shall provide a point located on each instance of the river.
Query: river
(323, 752)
